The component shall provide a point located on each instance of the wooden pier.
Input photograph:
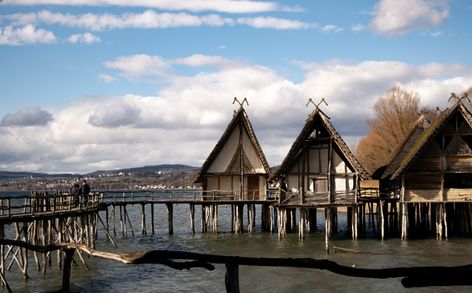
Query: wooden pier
(48, 218)
(51, 218)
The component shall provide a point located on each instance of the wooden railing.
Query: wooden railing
(181, 195)
(57, 202)
(339, 197)
(47, 203)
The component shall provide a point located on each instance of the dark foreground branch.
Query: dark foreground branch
(412, 276)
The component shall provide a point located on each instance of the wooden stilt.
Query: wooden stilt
(327, 228)
(238, 225)
(106, 219)
(203, 221)
(192, 218)
(250, 218)
(113, 214)
(445, 220)
(170, 217)
(301, 225)
(152, 219)
(143, 220)
(233, 220)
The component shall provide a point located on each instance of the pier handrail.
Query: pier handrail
(422, 276)
(180, 195)
(41, 203)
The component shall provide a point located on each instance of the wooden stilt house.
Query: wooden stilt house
(319, 171)
(431, 174)
(236, 168)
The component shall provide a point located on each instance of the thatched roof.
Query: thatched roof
(239, 117)
(339, 144)
(402, 149)
(419, 138)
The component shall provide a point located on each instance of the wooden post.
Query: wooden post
(143, 220)
(68, 257)
(113, 215)
(170, 217)
(404, 235)
(354, 221)
(282, 220)
(214, 218)
(445, 220)
(204, 224)
(301, 225)
(327, 227)
(152, 219)
(250, 218)
(287, 220)
(122, 223)
(233, 207)
(192, 218)
(107, 224)
(238, 225)
(382, 220)
(232, 278)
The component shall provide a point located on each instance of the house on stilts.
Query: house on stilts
(431, 174)
(236, 171)
(319, 172)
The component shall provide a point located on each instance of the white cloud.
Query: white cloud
(150, 19)
(29, 116)
(25, 35)
(274, 23)
(140, 65)
(226, 6)
(397, 17)
(85, 38)
(114, 114)
(437, 34)
(357, 27)
(331, 28)
(198, 60)
(183, 121)
(106, 78)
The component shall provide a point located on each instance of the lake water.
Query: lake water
(112, 276)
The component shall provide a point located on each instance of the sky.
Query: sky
(91, 85)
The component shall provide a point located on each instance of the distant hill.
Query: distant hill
(149, 169)
(141, 170)
(17, 175)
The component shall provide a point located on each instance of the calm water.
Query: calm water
(112, 276)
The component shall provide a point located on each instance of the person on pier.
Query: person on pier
(84, 191)
(74, 191)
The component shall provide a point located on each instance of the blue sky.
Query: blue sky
(109, 84)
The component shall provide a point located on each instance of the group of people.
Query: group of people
(77, 191)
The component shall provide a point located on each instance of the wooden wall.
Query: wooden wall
(442, 169)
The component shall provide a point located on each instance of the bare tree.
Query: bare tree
(395, 115)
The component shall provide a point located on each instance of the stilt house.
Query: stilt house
(236, 168)
(319, 169)
(433, 167)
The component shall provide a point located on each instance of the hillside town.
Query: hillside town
(160, 178)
